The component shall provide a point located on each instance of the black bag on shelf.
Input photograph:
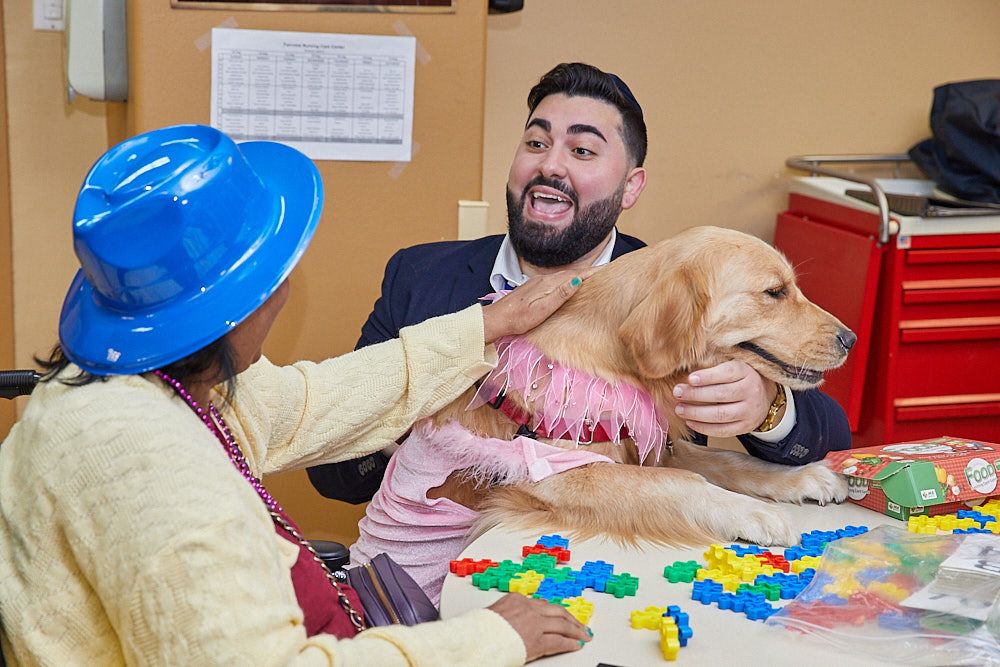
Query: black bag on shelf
(963, 156)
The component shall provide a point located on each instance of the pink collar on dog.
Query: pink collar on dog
(568, 403)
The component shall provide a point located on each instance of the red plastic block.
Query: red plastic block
(467, 566)
(777, 561)
(562, 555)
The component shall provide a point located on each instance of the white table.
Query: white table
(720, 637)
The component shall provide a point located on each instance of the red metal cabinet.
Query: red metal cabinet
(925, 306)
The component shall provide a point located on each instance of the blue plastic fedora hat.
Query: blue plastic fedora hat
(181, 234)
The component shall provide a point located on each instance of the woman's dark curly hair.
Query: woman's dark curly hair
(217, 358)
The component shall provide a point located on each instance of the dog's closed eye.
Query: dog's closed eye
(778, 293)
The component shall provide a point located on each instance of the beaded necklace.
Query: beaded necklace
(213, 420)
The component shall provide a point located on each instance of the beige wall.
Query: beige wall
(731, 88)
(6, 274)
(52, 144)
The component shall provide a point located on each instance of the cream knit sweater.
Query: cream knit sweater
(128, 537)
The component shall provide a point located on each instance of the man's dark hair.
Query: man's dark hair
(582, 80)
(217, 357)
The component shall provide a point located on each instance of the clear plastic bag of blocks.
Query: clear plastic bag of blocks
(904, 597)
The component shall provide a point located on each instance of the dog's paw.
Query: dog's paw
(817, 482)
(767, 525)
(738, 517)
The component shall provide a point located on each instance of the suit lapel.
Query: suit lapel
(476, 282)
(625, 244)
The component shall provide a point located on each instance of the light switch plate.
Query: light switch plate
(472, 219)
(49, 15)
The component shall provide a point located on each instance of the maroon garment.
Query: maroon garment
(316, 595)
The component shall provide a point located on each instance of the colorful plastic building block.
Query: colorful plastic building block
(777, 561)
(540, 562)
(681, 571)
(648, 618)
(706, 591)
(621, 585)
(670, 643)
(743, 551)
(595, 574)
(684, 632)
(804, 563)
(525, 583)
(552, 590)
(553, 541)
(467, 566)
(899, 621)
(580, 608)
(562, 555)
(671, 623)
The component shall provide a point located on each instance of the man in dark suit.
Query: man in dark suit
(579, 165)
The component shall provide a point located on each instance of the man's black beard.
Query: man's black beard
(540, 245)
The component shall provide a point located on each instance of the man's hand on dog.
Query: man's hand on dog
(530, 304)
(725, 400)
(545, 628)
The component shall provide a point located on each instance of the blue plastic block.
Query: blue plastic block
(979, 517)
(895, 621)
(743, 551)
(706, 591)
(598, 567)
(759, 612)
(556, 540)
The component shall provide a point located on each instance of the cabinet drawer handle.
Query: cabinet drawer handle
(951, 295)
(945, 334)
(947, 407)
(953, 256)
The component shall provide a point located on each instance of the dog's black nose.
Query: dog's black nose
(847, 338)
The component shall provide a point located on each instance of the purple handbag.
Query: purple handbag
(389, 595)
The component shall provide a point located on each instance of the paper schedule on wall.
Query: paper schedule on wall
(332, 96)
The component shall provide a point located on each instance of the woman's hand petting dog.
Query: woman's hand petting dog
(545, 628)
(725, 400)
(530, 304)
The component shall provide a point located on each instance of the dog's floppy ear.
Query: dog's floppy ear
(664, 331)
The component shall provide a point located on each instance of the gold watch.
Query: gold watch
(771, 420)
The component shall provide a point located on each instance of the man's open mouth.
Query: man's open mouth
(550, 203)
(807, 375)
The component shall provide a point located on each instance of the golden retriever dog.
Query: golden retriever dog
(647, 320)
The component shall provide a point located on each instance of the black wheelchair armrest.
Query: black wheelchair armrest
(334, 554)
(17, 383)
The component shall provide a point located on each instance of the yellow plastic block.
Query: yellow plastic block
(526, 583)
(648, 618)
(805, 562)
(947, 522)
(714, 574)
(580, 608)
(670, 644)
(991, 507)
(888, 591)
(730, 582)
(842, 587)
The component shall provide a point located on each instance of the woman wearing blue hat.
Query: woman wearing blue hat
(133, 527)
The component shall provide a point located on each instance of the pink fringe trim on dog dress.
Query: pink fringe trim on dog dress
(563, 399)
